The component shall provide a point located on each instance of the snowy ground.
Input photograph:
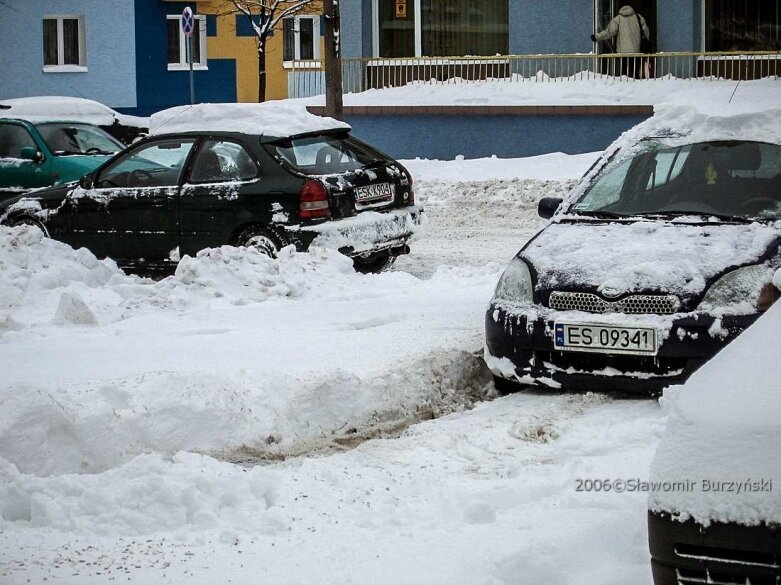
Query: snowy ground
(127, 404)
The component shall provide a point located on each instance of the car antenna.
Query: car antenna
(734, 90)
(185, 108)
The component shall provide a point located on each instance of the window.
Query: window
(324, 154)
(13, 138)
(158, 164)
(442, 28)
(220, 162)
(299, 39)
(63, 44)
(737, 25)
(178, 43)
(65, 138)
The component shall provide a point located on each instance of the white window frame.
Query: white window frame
(417, 11)
(183, 65)
(297, 39)
(61, 67)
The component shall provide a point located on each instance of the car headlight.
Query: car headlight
(516, 283)
(744, 290)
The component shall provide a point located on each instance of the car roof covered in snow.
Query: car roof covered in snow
(278, 119)
(723, 426)
(66, 109)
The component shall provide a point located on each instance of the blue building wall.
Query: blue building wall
(110, 51)
(158, 88)
(551, 27)
(679, 25)
(445, 137)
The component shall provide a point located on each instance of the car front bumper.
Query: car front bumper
(520, 347)
(369, 233)
(684, 553)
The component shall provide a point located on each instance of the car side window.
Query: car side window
(221, 161)
(158, 164)
(13, 138)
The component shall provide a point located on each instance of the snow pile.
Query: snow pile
(244, 275)
(555, 166)
(644, 255)
(42, 279)
(272, 118)
(723, 434)
(71, 109)
(566, 91)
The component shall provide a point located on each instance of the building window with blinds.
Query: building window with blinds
(737, 25)
(63, 44)
(442, 28)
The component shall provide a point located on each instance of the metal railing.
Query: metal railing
(306, 78)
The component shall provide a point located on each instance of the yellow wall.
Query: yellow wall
(226, 45)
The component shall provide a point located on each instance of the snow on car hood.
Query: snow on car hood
(620, 258)
(273, 118)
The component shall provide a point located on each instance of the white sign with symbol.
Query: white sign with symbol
(188, 21)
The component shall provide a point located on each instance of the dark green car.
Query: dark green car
(35, 155)
(176, 194)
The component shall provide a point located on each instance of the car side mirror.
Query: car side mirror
(548, 206)
(31, 153)
(87, 181)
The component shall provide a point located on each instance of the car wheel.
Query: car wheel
(373, 265)
(27, 220)
(263, 240)
(505, 386)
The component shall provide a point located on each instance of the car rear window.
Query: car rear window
(325, 154)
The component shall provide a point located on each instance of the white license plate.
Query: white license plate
(605, 339)
(378, 192)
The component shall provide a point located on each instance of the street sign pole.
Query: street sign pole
(188, 25)
(192, 80)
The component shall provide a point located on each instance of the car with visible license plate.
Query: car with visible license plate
(660, 256)
(234, 174)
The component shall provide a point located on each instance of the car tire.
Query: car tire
(263, 240)
(505, 387)
(27, 220)
(373, 265)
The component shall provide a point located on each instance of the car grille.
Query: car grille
(728, 567)
(631, 305)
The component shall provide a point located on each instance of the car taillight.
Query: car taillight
(313, 201)
(410, 199)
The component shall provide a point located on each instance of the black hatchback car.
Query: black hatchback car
(662, 255)
(175, 193)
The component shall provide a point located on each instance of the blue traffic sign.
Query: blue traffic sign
(188, 21)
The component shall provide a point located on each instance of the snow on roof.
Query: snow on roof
(273, 118)
(48, 108)
(723, 426)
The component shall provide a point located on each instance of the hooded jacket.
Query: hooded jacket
(625, 28)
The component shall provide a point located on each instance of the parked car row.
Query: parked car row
(263, 175)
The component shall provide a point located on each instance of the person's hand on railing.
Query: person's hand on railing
(593, 38)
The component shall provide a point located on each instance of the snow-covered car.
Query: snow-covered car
(35, 154)
(38, 109)
(658, 258)
(714, 511)
(262, 175)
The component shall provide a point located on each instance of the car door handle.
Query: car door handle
(160, 202)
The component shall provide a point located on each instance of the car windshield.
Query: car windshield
(325, 154)
(735, 180)
(63, 139)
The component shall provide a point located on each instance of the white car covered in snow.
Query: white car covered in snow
(715, 512)
(662, 255)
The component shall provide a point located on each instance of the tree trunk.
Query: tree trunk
(261, 71)
(333, 61)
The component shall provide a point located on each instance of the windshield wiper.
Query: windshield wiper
(601, 214)
(703, 214)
